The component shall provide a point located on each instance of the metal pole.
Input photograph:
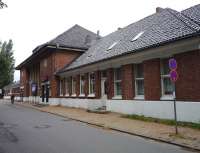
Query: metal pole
(175, 115)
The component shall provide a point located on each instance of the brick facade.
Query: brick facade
(110, 79)
(86, 86)
(188, 84)
(77, 85)
(128, 86)
(152, 85)
(97, 84)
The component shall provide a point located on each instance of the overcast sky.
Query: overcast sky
(30, 23)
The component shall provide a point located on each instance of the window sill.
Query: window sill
(74, 95)
(117, 97)
(91, 95)
(82, 95)
(167, 97)
(139, 97)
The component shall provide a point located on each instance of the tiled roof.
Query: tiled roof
(193, 13)
(76, 37)
(159, 28)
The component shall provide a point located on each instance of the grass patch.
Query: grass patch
(162, 121)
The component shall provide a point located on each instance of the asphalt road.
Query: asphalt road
(24, 130)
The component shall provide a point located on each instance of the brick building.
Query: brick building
(127, 71)
(37, 79)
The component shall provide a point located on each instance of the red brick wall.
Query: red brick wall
(128, 86)
(62, 58)
(110, 78)
(188, 84)
(97, 89)
(152, 85)
(86, 87)
(24, 81)
(59, 60)
(77, 85)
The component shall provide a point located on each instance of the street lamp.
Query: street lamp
(2, 5)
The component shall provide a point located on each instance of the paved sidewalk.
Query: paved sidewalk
(187, 137)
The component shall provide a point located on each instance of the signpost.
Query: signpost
(174, 78)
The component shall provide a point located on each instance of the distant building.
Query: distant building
(12, 89)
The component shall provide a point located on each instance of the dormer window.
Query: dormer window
(137, 36)
(111, 46)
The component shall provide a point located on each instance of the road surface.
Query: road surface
(24, 130)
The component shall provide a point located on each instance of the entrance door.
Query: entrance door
(45, 93)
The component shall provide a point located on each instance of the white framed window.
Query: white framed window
(91, 84)
(73, 86)
(167, 87)
(117, 83)
(139, 81)
(61, 87)
(82, 85)
(45, 63)
(67, 83)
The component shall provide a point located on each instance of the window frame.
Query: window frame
(61, 93)
(67, 83)
(91, 93)
(116, 82)
(162, 77)
(136, 79)
(73, 86)
(82, 85)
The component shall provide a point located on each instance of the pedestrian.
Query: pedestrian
(12, 98)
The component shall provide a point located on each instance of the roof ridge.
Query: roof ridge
(196, 27)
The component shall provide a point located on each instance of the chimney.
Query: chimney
(159, 9)
(98, 34)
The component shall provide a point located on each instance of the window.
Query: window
(91, 83)
(111, 46)
(45, 62)
(82, 84)
(73, 86)
(139, 80)
(167, 85)
(137, 36)
(67, 83)
(61, 87)
(117, 82)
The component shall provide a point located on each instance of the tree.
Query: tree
(2, 5)
(7, 63)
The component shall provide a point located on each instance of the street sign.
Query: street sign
(172, 64)
(173, 75)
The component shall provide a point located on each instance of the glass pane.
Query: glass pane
(139, 71)
(168, 86)
(118, 88)
(118, 74)
(165, 67)
(140, 87)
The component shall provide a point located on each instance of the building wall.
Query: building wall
(59, 60)
(188, 84)
(152, 85)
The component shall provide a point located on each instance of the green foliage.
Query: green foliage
(6, 63)
(162, 121)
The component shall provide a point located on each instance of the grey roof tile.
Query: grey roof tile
(193, 13)
(166, 26)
